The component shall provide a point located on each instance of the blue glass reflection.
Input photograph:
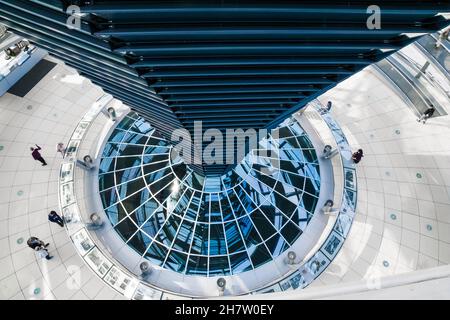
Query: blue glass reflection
(164, 211)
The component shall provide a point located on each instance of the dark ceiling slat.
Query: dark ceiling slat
(193, 113)
(249, 61)
(243, 89)
(256, 115)
(237, 49)
(240, 82)
(210, 72)
(262, 32)
(222, 97)
(228, 103)
(280, 9)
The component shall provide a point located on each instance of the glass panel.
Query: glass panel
(218, 266)
(133, 202)
(238, 209)
(249, 233)
(156, 253)
(107, 165)
(227, 212)
(141, 126)
(111, 150)
(309, 202)
(240, 262)
(161, 187)
(106, 181)
(274, 215)
(234, 239)
(169, 230)
(246, 201)
(191, 213)
(126, 123)
(139, 242)
(117, 136)
(126, 229)
(200, 240)
(277, 245)
(263, 225)
(127, 174)
(126, 162)
(203, 214)
(145, 211)
(260, 256)
(216, 215)
(184, 238)
(217, 244)
(176, 261)
(130, 150)
(290, 232)
(108, 197)
(197, 265)
(130, 187)
(134, 138)
(156, 221)
(113, 214)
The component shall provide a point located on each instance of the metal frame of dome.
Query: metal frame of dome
(163, 210)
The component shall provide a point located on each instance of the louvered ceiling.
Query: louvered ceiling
(229, 64)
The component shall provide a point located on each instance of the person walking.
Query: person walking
(427, 114)
(54, 217)
(327, 109)
(41, 252)
(60, 148)
(34, 242)
(37, 155)
(357, 156)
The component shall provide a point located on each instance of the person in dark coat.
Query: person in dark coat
(427, 114)
(54, 217)
(34, 243)
(357, 156)
(326, 109)
(37, 155)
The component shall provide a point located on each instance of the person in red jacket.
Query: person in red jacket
(37, 155)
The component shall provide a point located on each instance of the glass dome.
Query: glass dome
(209, 226)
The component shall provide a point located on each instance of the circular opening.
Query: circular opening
(184, 221)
